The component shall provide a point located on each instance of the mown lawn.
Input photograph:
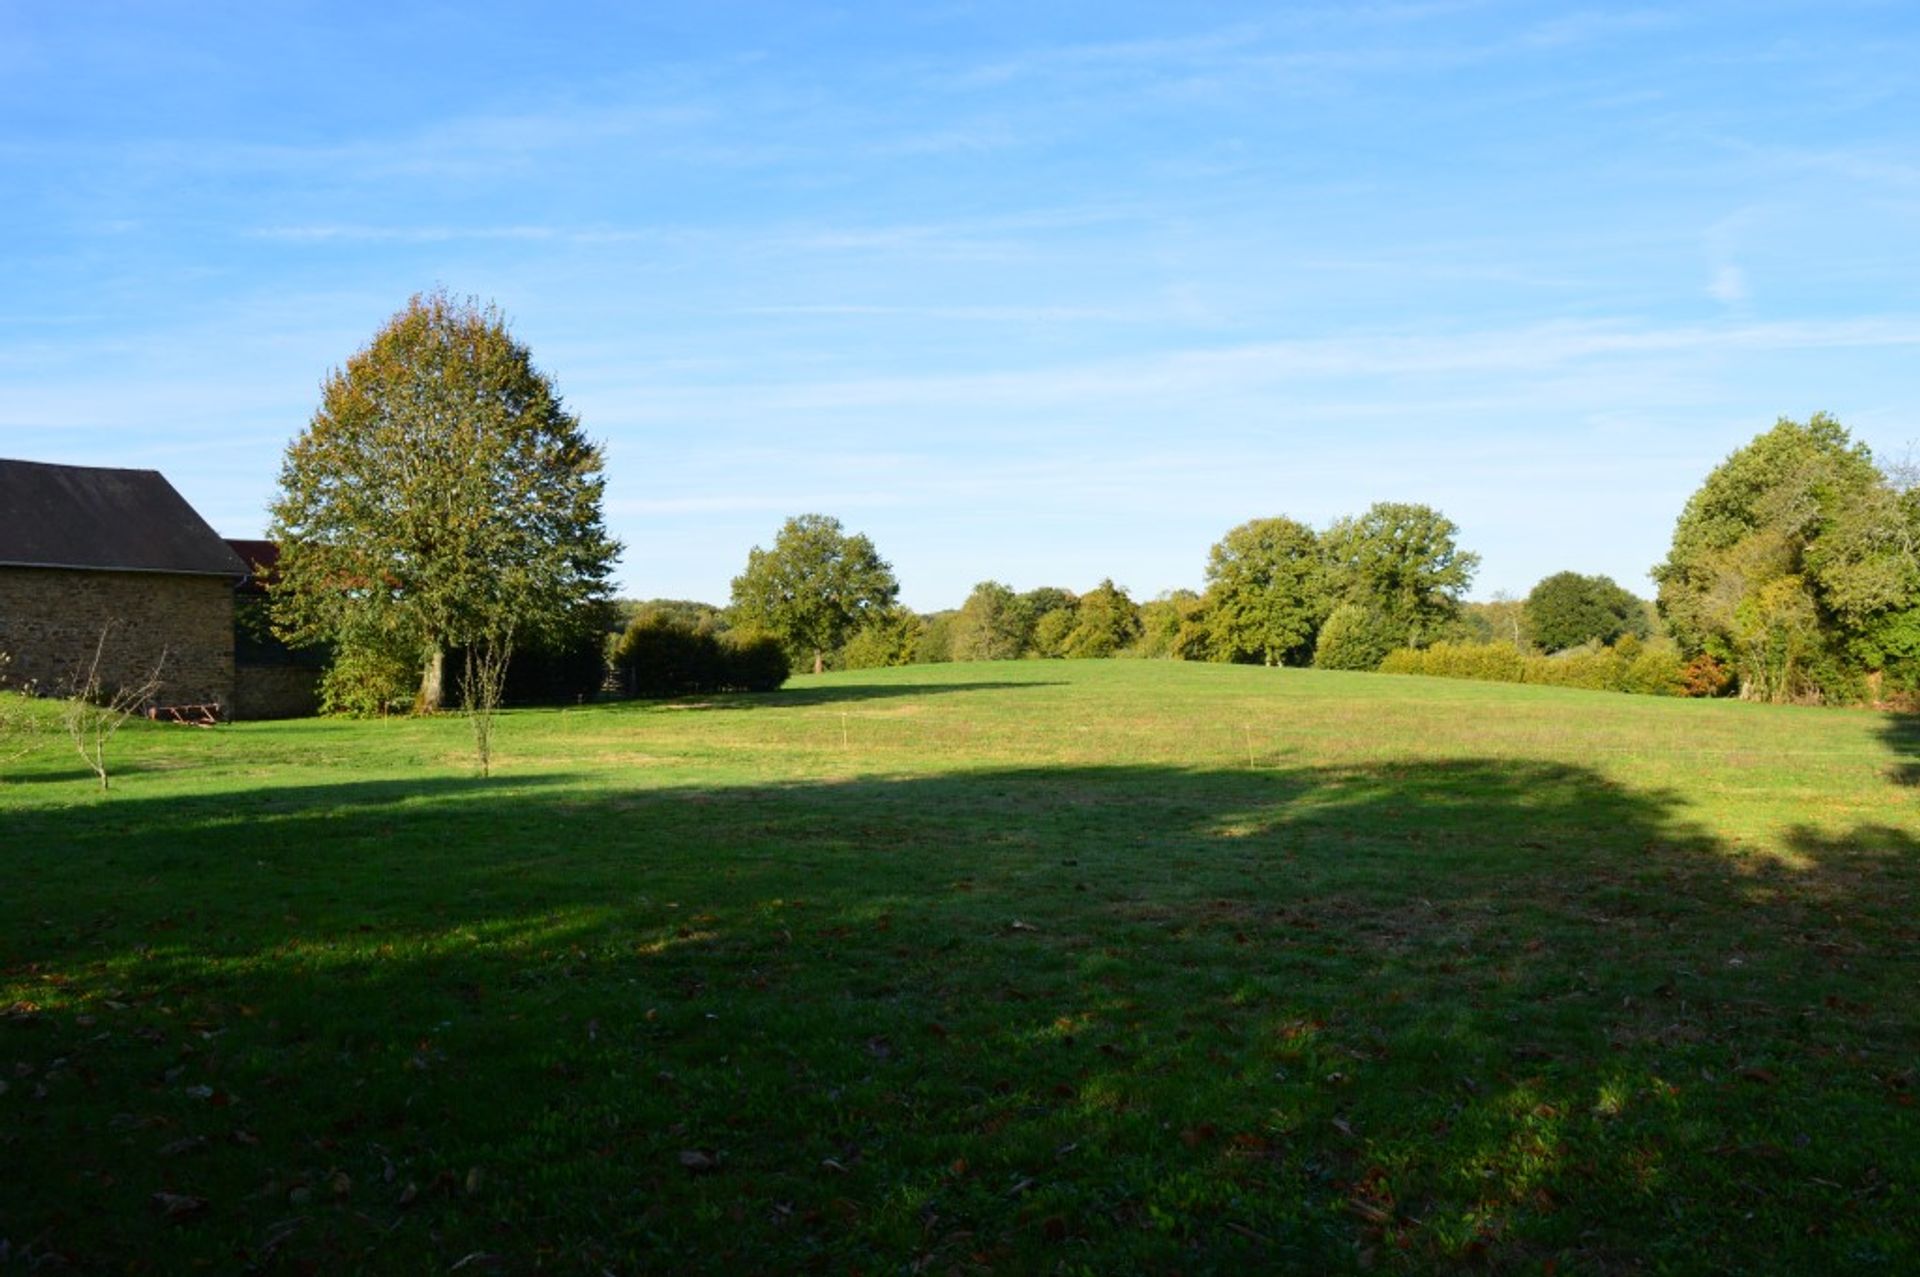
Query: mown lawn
(1077, 967)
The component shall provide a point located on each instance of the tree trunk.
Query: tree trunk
(432, 682)
(819, 661)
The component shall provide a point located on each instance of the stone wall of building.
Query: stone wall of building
(275, 691)
(51, 620)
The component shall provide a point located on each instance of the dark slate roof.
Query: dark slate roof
(93, 518)
(263, 563)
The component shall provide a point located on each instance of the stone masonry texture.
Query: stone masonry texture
(51, 619)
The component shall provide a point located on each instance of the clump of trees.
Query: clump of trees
(1796, 567)
(1279, 593)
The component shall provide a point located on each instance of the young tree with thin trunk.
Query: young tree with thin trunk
(95, 710)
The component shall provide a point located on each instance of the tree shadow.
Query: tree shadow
(1415, 1015)
(1901, 733)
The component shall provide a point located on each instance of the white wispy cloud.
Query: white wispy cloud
(1729, 284)
(982, 314)
(1201, 375)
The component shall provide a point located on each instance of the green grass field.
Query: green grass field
(1077, 967)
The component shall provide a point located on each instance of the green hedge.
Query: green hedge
(1650, 671)
(660, 656)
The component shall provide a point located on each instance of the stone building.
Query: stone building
(86, 552)
(270, 679)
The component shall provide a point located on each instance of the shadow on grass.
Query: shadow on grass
(1411, 1015)
(1901, 733)
(801, 697)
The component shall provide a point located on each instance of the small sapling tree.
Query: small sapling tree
(94, 711)
(483, 684)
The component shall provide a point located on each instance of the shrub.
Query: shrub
(1704, 676)
(1653, 671)
(661, 656)
(1494, 662)
(564, 670)
(1596, 668)
(1353, 638)
(368, 680)
(753, 661)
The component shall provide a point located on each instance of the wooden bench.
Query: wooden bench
(192, 715)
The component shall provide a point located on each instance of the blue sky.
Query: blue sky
(1043, 293)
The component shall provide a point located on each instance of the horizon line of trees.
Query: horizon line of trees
(1794, 576)
(441, 515)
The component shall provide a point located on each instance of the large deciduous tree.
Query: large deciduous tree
(992, 625)
(1105, 622)
(1567, 609)
(1795, 564)
(442, 496)
(1400, 564)
(816, 586)
(1266, 593)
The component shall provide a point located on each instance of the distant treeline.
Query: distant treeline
(1794, 576)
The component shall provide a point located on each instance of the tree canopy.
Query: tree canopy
(1567, 609)
(1266, 592)
(1795, 565)
(441, 496)
(1105, 622)
(1401, 563)
(992, 625)
(814, 588)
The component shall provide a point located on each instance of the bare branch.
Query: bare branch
(482, 688)
(94, 712)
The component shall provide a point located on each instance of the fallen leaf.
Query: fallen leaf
(178, 1205)
(1368, 1211)
(699, 1161)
